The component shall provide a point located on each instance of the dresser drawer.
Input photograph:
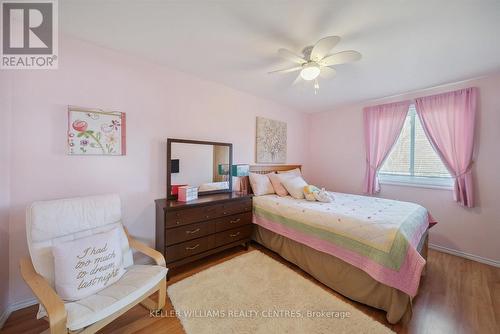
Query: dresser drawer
(188, 232)
(236, 234)
(188, 248)
(232, 208)
(189, 216)
(226, 223)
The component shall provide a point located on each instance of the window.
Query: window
(412, 160)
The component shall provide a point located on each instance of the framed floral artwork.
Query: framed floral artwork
(96, 132)
(271, 141)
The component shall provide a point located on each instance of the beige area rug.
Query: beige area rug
(253, 293)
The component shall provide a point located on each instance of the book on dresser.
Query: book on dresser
(189, 231)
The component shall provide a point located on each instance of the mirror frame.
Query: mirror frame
(200, 142)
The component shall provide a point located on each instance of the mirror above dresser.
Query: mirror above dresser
(201, 164)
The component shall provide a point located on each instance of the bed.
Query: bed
(369, 249)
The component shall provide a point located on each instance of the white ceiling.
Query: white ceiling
(406, 45)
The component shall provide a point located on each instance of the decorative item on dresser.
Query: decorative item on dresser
(188, 231)
(239, 172)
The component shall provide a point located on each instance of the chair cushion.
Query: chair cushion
(52, 222)
(136, 281)
(53, 219)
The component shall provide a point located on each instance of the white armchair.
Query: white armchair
(52, 222)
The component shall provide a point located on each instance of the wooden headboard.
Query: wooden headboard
(264, 169)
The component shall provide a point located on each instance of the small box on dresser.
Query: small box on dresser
(187, 193)
(189, 231)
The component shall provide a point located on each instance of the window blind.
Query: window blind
(413, 155)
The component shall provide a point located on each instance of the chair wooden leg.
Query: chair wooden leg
(162, 294)
(58, 328)
(149, 303)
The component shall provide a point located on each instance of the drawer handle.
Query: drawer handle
(178, 223)
(193, 231)
(224, 213)
(234, 235)
(194, 247)
(234, 221)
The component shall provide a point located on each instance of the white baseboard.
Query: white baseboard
(14, 307)
(465, 255)
(3, 317)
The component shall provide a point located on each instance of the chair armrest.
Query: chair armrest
(146, 250)
(46, 295)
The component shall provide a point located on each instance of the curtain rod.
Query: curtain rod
(425, 89)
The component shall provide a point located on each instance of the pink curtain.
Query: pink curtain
(448, 120)
(382, 126)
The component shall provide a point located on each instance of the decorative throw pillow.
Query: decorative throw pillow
(295, 186)
(276, 182)
(87, 265)
(261, 185)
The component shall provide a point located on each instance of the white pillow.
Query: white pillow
(295, 172)
(295, 186)
(87, 265)
(261, 185)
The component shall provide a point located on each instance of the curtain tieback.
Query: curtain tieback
(467, 170)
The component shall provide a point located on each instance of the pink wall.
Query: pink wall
(4, 192)
(337, 161)
(159, 103)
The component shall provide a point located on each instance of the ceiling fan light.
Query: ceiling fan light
(310, 71)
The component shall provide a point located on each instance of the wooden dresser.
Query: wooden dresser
(188, 231)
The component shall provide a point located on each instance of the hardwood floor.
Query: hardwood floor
(456, 296)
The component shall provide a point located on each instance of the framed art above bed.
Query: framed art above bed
(270, 141)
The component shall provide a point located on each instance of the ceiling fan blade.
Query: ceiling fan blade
(327, 72)
(291, 56)
(287, 70)
(340, 58)
(297, 80)
(323, 46)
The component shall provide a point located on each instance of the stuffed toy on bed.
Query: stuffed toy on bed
(309, 192)
(323, 196)
(313, 193)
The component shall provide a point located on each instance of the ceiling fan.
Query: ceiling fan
(317, 61)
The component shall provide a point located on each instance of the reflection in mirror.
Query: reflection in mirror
(200, 165)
